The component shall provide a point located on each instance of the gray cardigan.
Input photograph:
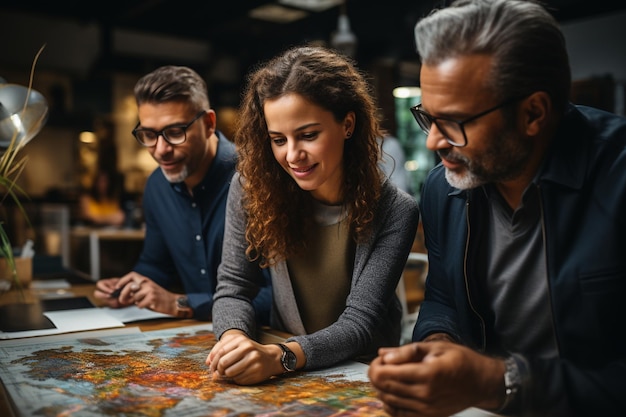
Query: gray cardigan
(372, 317)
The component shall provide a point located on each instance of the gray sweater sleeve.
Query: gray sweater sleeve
(372, 315)
(238, 279)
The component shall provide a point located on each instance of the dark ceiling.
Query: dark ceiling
(383, 28)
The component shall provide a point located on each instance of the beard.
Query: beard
(178, 176)
(505, 159)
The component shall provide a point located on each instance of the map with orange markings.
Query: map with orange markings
(163, 373)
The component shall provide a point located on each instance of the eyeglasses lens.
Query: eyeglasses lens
(450, 129)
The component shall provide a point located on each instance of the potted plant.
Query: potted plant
(11, 166)
(23, 112)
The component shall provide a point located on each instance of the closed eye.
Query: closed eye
(310, 135)
(278, 141)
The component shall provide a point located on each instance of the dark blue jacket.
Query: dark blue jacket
(583, 202)
(184, 234)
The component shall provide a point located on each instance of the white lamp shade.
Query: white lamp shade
(343, 39)
(23, 113)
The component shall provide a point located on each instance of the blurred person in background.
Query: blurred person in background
(101, 205)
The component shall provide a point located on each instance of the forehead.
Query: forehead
(292, 111)
(456, 83)
(157, 115)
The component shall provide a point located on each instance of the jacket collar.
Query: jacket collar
(568, 157)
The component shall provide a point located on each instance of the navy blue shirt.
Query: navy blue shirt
(184, 233)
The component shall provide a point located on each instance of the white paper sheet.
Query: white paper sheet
(37, 341)
(133, 313)
(67, 321)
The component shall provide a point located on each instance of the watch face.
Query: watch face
(288, 359)
(183, 309)
(182, 302)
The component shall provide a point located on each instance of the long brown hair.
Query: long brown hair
(278, 210)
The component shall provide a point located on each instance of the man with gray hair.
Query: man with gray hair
(524, 226)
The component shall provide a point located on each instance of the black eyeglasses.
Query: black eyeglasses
(453, 130)
(174, 135)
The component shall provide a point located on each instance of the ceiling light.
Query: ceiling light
(311, 5)
(277, 14)
(87, 137)
(344, 40)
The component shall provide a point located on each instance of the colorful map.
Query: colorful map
(162, 373)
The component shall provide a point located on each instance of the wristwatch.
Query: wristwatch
(512, 382)
(288, 358)
(183, 309)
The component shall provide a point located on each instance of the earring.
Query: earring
(348, 134)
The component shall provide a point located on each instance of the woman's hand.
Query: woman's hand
(238, 358)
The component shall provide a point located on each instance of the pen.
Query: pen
(116, 293)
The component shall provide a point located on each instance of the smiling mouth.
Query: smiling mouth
(168, 164)
(303, 170)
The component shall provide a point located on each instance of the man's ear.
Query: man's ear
(210, 121)
(536, 110)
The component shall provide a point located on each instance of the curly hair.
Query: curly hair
(279, 211)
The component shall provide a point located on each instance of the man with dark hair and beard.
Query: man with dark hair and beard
(184, 201)
(524, 223)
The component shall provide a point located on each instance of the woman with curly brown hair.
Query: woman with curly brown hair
(310, 203)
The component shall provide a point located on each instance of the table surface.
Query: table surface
(112, 233)
(29, 295)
